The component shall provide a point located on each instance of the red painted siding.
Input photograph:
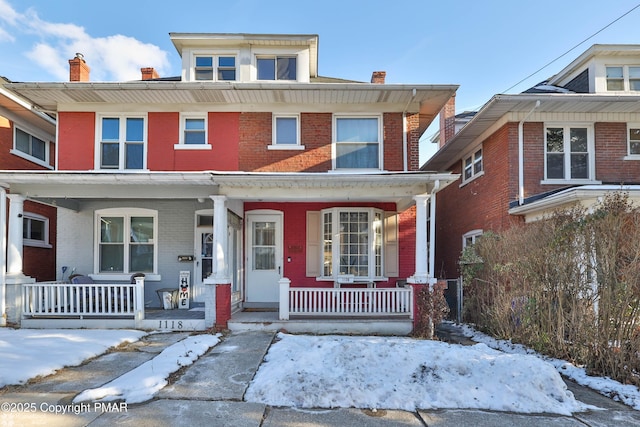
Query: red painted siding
(40, 263)
(163, 133)
(10, 161)
(76, 136)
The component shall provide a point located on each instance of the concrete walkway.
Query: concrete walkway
(210, 393)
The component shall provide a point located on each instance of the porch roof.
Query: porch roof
(67, 188)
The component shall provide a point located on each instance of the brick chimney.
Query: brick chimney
(78, 69)
(447, 121)
(378, 77)
(149, 73)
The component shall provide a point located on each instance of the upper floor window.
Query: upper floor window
(568, 153)
(634, 140)
(623, 78)
(193, 132)
(126, 240)
(35, 230)
(276, 67)
(222, 67)
(357, 142)
(122, 142)
(31, 145)
(286, 132)
(473, 165)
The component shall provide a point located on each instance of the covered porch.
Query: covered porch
(225, 288)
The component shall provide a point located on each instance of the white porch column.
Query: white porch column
(15, 250)
(220, 268)
(3, 257)
(421, 276)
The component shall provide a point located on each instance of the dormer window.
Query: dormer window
(208, 66)
(276, 67)
(623, 78)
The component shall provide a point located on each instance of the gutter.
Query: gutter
(521, 154)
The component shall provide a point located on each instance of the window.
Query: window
(193, 133)
(634, 140)
(208, 66)
(568, 153)
(122, 143)
(126, 241)
(352, 242)
(357, 142)
(30, 145)
(276, 68)
(470, 238)
(35, 230)
(473, 165)
(623, 78)
(286, 131)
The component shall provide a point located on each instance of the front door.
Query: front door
(264, 257)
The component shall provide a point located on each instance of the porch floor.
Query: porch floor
(268, 321)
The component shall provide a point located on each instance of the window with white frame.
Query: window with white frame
(122, 142)
(276, 67)
(193, 132)
(352, 243)
(633, 142)
(623, 78)
(357, 142)
(126, 240)
(473, 165)
(30, 145)
(568, 152)
(470, 238)
(215, 68)
(35, 230)
(286, 130)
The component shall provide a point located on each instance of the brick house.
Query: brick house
(568, 140)
(27, 142)
(270, 186)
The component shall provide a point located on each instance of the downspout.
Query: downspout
(521, 155)
(405, 140)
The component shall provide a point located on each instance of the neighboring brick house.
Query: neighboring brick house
(248, 169)
(27, 142)
(568, 140)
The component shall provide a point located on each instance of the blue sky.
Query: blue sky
(486, 47)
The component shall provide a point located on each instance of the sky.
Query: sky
(487, 47)
(307, 371)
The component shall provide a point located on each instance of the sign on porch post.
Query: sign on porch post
(183, 289)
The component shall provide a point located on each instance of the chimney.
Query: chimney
(78, 69)
(149, 73)
(377, 77)
(447, 121)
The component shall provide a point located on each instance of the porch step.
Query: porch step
(268, 321)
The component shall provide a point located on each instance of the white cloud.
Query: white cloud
(116, 57)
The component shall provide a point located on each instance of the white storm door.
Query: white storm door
(264, 257)
(204, 261)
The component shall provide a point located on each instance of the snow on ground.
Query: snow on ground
(27, 353)
(140, 384)
(403, 373)
(625, 393)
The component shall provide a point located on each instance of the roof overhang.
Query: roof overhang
(427, 100)
(24, 111)
(69, 188)
(586, 196)
(517, 106)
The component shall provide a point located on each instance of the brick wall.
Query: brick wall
(10, 161)
(611, 148)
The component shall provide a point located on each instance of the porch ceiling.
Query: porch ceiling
(65, 188)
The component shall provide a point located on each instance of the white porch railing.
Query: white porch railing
(344, 301)
(82, 300)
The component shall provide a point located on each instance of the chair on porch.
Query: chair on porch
(89, 299)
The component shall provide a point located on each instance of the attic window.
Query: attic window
(276, 68)
(623, 78)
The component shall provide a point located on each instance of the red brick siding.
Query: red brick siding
(223, 306)
(413, 138)
(76, 136)
(611, 148)
(295, 223)
(392, 137)
(10, 161)
(40, 263)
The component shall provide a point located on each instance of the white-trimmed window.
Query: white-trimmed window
(286, 132)
(193, 132)
(276, 67)
(623, 78)
(126, 241)
(35, 230)
(122, 142)
(470, 238)
(214, 68)
(30, 147)
(473, 166)
(352, 243)
(357, 142)
(569, 153)
(633, 141)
